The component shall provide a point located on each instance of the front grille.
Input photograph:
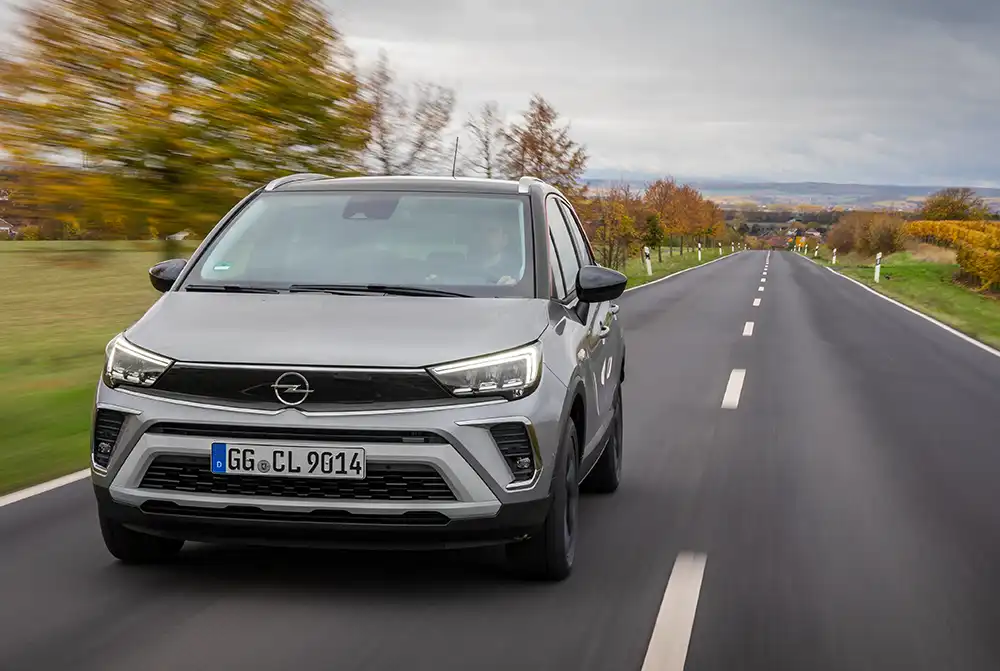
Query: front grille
(383, 482)
(295, 433)
(515, 445)
(328, 389)
(107, 426)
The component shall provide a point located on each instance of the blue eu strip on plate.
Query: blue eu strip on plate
(218, 457)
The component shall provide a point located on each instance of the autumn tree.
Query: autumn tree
(486, 131)
(954, 204)
(540, 146)
(171, 109)
(614, 233)
(407, 127)
(652, 234)
(661, 198)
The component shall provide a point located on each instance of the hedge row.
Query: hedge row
(982, 264)
(953, 233)
(977, 244)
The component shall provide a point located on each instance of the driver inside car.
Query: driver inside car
(499, 264)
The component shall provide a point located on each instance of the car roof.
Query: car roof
(313, 182)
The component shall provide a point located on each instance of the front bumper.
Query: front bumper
(244, 526)
(487, 506)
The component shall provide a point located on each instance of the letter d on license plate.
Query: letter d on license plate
(289, 461)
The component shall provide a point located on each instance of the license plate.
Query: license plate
(298, 462)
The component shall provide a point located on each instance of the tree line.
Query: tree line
(143, 118)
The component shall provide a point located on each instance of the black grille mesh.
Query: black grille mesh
(515, 446)
(107, 426)
(383, 482)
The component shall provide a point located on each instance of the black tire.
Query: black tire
(132, 547)
(549, 553)
(606, 475)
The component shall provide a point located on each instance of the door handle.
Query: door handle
(613, 308)
(603, 331)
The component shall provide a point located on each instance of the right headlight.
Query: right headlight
(510, 374)
(129, 365)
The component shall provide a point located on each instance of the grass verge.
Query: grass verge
(635, 268)
(61, 302)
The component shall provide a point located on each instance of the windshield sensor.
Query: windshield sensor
(232, 288)
(389, 289)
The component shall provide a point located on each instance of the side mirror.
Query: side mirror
(163, 275)
(595, 284)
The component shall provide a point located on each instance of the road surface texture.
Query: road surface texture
(839, 510)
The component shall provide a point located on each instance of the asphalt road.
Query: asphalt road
(847, 512)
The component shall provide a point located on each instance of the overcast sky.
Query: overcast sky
(875, 91)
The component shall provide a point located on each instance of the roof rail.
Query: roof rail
(298, 177)
(524, 184)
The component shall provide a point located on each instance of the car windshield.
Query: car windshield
(470, 244)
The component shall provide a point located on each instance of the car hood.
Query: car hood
(330, 330)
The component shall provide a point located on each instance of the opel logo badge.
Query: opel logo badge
(291, 388)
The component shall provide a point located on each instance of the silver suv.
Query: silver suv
(373, 361)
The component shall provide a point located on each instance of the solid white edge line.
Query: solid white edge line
(748, 329)
(679, 272)
(731, 398)
(756, 302)
(972, 341)
(43, 487)
(668, 644)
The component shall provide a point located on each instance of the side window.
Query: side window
(555, 272)
(576, 230)
(563, 243)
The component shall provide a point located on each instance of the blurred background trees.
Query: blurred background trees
(140, 119)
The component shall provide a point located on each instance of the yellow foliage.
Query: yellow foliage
(977, 244)
(175, 108)
(976, 233)
(983, 264)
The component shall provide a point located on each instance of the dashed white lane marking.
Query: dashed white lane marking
(42, 488)
(731, 399)
(760, 288)
(668, 645)
(763, 279)
(748, 329)
(756, 302)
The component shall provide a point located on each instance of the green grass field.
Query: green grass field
(61, 302)
(929, 286)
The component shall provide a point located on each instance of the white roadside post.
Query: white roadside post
(878, 266)
(816, 251)
(699, 252)
(720, 249)
(732, 247)
(649, 265)
(834, 256)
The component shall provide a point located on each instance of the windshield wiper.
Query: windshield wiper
(388, 289)
(231, 288)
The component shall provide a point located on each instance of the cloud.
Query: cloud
(833, 90)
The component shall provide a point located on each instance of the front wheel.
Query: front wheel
(549, 553)
(132, 547)
(607, 472)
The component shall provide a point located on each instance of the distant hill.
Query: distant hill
(817, 194)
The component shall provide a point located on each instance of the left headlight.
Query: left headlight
(129, 365)
(510, 374)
